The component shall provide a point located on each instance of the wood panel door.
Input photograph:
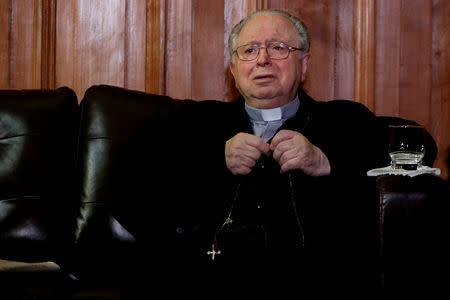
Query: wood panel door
(391, 55)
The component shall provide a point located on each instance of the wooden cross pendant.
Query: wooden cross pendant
(213, 252)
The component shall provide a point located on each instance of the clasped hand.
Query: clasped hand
(291, 149)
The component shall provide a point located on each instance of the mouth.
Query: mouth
(263, 77)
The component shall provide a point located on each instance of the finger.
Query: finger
(239, 166)
(290, 165)
(246, 161)
(280, 149)
(260, 144)
(244, 150)
(281, 136)
(253, 153)
(242, 170)
(288, 155)
(235, 159)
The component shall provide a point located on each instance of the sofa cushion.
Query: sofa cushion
(37, 159)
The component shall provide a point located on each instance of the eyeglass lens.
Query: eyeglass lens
(274, 50)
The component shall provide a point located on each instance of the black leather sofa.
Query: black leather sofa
(67, 169)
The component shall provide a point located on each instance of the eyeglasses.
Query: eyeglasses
(275, 50)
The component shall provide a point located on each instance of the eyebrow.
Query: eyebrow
(267, 41)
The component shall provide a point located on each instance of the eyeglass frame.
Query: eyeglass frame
(290, 49)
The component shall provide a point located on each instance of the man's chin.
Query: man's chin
(265, 101)
(266, 94)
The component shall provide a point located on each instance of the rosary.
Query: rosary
(215, 251)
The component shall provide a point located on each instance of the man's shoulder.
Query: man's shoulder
(344, 110)
(342, 104)
(333, 106)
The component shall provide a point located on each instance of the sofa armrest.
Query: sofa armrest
(18, 266)
(415, 234)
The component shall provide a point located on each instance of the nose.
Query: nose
(263, 57)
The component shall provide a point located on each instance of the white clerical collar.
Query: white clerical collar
(284, 112)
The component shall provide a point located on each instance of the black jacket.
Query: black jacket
(327, 223)
(347, 132)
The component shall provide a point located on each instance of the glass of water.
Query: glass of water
(406, 146)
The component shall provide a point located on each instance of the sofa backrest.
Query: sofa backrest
(37, 162)
(117, 130)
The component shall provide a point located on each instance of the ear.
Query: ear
(305, 64)
(232, 68)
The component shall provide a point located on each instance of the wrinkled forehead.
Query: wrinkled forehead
(268, 28)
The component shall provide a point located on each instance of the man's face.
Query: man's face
(264, 82)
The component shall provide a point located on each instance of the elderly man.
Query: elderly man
(275, 178)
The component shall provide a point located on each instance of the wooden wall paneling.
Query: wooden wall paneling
(100, 43)
(28, 38)
(36, 47)
(178, 50)
(48, 48)
(66, 42)
(387, 66)
(344, 64)
(320, 17)
(415, 60)
(94, 41)
(155, 58)
(155, 41)
(135, 44)
(283, 5)
(364, 33)
(254, 5)
(208, 72)
(440, 90)
(25, 44)
(4, 43)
